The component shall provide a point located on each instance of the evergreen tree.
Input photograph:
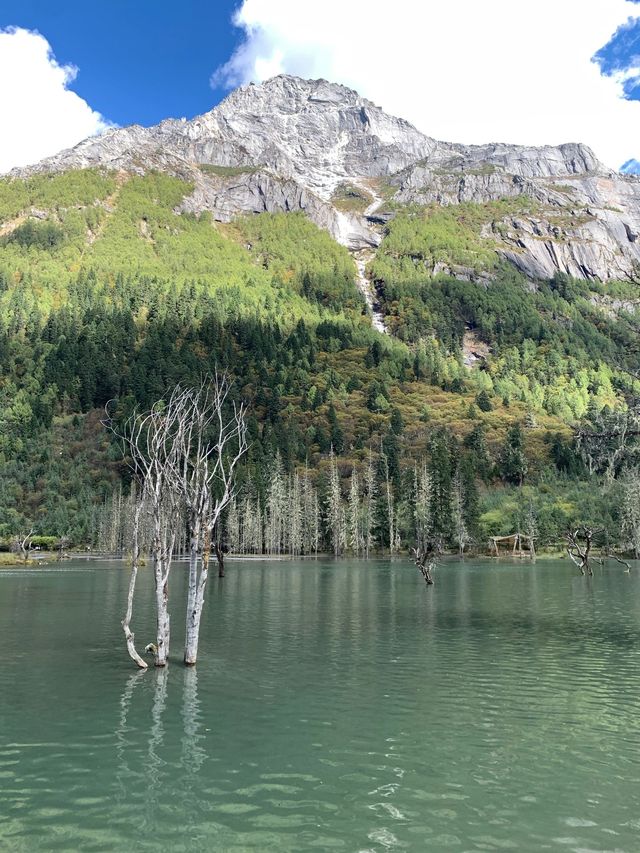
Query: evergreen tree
(471, 496)
(478, 456)
(422, 506)
(355, 520)
(512, 464)
(440, 511)
(335, 515)
(369, 508)
(336, 436)
(459, 515)
(483, 402)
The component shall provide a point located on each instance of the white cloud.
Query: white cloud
(39, 114)
(461, 70)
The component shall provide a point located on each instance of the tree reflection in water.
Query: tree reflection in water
(147, 745)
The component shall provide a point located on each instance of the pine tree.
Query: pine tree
(336, 436)
(370, 491)
(233, 527)
(294, 527)
(531, 525)
(251, 524)
(388, 502)
(355, 521)
(310, 515)
(476, 445)
(336, 523)
(513, 462)
(422, 504)
(460, 530)
(471, 499)
(440, 477)
(483, 402)
(276, 507)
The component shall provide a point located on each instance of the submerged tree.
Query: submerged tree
(335, 514)
(460, 529)
(183, 454)
(153, 442)
(355, 515)
(579, 549)
(630, 509)
(426, 561)
(21, 545)
(214, 439)
(368, 515)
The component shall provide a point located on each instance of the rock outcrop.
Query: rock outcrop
(289, 144)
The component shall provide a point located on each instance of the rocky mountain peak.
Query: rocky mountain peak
(288, 94)
(294, 144)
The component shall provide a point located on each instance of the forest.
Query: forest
(358, 442)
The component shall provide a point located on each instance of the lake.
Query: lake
(336, 706)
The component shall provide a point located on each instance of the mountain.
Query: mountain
(495, 329)
(309, 145)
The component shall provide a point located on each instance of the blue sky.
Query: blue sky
(460, 70)
(622, 53)
(139, 60)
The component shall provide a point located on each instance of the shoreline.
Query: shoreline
(48, 559)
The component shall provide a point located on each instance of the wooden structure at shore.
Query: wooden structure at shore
(515, 545)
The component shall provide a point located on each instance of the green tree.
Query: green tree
(483, 402)
(440, 512)
(512, 464)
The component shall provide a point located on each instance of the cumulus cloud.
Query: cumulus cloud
(39, 114)
(461, 70)
(620, 58)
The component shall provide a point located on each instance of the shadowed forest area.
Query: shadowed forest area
(497, 404)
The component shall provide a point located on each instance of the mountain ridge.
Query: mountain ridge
(291, 144)
(116, 285)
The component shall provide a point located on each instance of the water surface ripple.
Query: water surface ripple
(336, 707)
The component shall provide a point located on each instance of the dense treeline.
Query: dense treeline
(369, 441)
(560, 345)
(313, 389)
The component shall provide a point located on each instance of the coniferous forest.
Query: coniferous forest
(496, 404)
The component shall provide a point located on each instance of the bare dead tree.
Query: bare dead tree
(214, 439)
(135, 563)
(622, 562)
(426, 562)
(219, 553)
(580, 551)
(153, 442)
(22, 545)
(183, 454)
(61, 546)
(608, 443)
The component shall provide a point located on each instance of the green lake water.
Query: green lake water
(336, 706)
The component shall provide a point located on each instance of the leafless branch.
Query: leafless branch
(580, 553)
(426, 561)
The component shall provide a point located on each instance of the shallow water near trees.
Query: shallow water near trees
(335, 706)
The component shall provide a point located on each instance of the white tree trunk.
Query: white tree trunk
(135, 559)
(193, 619)
(163, 621)
(194, 615)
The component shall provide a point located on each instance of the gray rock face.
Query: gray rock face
(586, 221)
(314, 132)
(290, 143)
